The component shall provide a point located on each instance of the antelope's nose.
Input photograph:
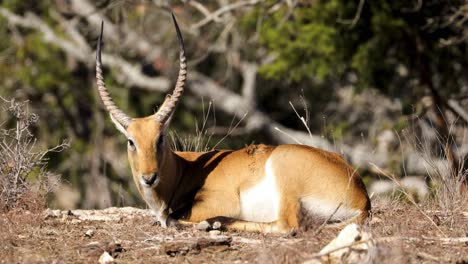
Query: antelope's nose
(149, 179)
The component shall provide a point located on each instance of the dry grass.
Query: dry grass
(201, 140)
(448, 185)
(402, 232)
(399, 232)
(25, 180)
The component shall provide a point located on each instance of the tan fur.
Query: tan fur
(197, 186)
(257, 183)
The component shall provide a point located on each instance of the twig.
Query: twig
(447, 240)
(320, 228)
(354, 21)
(222, 10)
(289, 135)
(457, 109)
(304, 121)
(202, 9)
(231, 130)
(416, 7)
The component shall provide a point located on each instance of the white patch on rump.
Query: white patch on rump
(325, 209)
(260, 203)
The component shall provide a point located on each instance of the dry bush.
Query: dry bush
(24, 181)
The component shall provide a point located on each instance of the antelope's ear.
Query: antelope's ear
(119, 126)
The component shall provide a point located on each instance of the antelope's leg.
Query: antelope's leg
(211, 204)
(288, 213)
(232, 224)
(287, 220)
(241, 225)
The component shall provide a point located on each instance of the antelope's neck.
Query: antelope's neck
(193, 168)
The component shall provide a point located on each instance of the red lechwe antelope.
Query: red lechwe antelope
(255, 188)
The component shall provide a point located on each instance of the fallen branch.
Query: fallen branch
(453, 240)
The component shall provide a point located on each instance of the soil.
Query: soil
(402, 233)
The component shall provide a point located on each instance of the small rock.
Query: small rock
(375, 220)
(180, 248)
(106, 258)
(203, 226)
(75, 221)
(215, 233)
(89, 233)
(216, 225)
(51, 214)
(51, 232)
(64, 218)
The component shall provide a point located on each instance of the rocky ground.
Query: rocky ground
(396, 234)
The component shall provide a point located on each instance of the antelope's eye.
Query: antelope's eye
(131, 145)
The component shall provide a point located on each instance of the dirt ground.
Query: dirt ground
(402, 234)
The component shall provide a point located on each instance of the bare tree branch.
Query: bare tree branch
(360, 155)
(352, 22)
(202, 9)
(131, 39)
(32, 21)
(215, 15)
(131, 74)
(458, 110)
(249, 75)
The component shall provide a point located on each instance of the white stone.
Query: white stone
(106, 258)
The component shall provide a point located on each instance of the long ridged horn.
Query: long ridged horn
(115, 112)
(170, 104)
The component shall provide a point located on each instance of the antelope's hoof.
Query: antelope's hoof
(209, 226)
(203, 226)
(174, 223)
(215, 223)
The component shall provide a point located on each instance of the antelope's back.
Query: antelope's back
(298, 170)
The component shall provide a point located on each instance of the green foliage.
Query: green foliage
(320, 41)
(317, 47)
(298, 41)
(42, 64)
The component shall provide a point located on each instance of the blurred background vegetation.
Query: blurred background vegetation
(384, 83)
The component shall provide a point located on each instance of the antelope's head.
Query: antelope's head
(148, 149)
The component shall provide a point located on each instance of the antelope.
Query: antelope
(256, 188)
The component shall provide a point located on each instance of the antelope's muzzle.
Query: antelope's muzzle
(149, 179)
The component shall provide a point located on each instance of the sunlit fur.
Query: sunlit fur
(259, 188)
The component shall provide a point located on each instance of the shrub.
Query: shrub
(24, 181)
